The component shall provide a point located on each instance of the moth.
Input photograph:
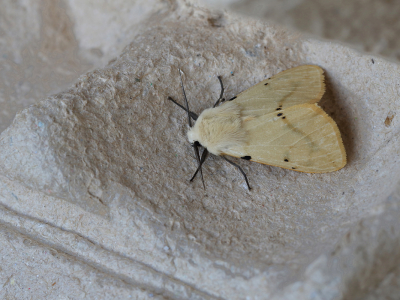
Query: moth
(275, 122)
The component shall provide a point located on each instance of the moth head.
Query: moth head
(192, 136)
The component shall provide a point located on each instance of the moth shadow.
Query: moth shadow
(336, 106)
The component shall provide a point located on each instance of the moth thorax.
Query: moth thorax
(218, 129)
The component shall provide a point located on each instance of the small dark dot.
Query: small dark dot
(269, 77)
(286, 160)
(246, 157)
(232, 98)
(283, 117)
(278, 108)
(280, 105)
(293, 168)
(266, 83)
(280, 114)
(372, 60)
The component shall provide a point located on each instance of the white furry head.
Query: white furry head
(219, 128)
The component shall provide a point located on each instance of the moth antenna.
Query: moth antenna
(240, 169)
(222, 92)
(184, 95)
(195, 147)
(200, 161)
(192, 114)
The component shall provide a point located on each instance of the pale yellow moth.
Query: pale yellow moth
(275, 122)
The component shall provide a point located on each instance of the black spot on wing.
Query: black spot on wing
(232, 98)
(286, 160)
(266, 83)
(246, 157)
(278, 108)
(280, 114)
(293, 168)
(283, 117)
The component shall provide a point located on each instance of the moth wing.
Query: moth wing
(299, 85)
(301, 138)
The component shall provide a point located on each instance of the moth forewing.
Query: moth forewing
(286, 127)
(303, 84)
(302, 138)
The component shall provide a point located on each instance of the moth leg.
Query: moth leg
(192, 114)
(222, 92)
(240, 169)
(201, 161)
